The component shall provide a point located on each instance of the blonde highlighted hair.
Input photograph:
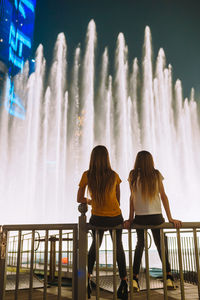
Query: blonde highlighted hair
(101, 177)
(145, 175)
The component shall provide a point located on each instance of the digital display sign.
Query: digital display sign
(16, 32)
(6, 10)
(17, 19)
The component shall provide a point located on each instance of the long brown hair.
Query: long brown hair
(147, 175)
(100, 175)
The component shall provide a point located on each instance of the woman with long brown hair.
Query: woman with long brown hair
(147, 192)
(103, 186)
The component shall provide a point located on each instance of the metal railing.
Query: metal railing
(53, 237)
(188, 254)
(39, 250)
(83, 231)
(36, 247)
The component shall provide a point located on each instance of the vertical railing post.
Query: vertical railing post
(82, 253)
(45, 264)
(147, 263)
(114, 264)
(163, 255)
(197, 259)
(180, 264)
(130, 263)
(75, 265)
(31, 266)
(97, 263)
(18, 265)
(106, 253)
(60, 265)
(3, 252)
(52, 258)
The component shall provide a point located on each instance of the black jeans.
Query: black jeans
(148, 220)
(107, 222)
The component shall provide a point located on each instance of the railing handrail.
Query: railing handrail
(71, 226)
(165, 225)
(68, 226)
(58, 226)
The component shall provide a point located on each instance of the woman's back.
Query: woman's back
(103, 186)
(146, 202)
(110, 204)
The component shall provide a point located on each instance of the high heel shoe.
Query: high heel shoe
(170, 282)
(136, 287)
(122, 292)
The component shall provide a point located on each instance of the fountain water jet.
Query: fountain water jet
(43, 156)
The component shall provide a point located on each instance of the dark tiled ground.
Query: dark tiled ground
(190, 294)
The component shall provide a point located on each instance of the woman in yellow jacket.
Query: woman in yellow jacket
(103, 185)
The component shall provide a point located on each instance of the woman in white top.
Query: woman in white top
(147, 192)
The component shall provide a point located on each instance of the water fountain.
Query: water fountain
(43, 156)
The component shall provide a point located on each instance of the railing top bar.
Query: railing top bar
(71, 226)
(185, 225)
(189, 230)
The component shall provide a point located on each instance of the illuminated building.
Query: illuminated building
(3, 72)
(16, 34)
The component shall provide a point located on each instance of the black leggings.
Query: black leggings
(107, 222)
(148, 220)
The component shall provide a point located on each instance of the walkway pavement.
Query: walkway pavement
(190, 294)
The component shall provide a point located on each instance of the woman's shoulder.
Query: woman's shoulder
(84, 179)
(85, 173)
(132, 172)
(158, 173)
(131, 175)
(117, 178)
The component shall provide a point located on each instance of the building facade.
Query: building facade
(17, 19)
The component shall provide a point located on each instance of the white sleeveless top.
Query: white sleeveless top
(144, 206)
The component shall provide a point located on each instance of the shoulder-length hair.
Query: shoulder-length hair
(100, 175)
(145, 175)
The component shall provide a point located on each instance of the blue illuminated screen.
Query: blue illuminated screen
(16, 32)
(16, 35)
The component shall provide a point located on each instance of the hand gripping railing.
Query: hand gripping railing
(83, 230)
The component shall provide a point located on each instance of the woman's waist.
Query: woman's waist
(153, 219)
(106, 221)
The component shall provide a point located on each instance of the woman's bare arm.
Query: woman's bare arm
(165, 202)
(128, 222)
(131, 212)
(81, 198)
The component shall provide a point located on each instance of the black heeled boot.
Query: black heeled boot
(122, 292)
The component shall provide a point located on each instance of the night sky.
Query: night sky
(175, 26)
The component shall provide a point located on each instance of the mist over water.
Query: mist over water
(136, 107)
